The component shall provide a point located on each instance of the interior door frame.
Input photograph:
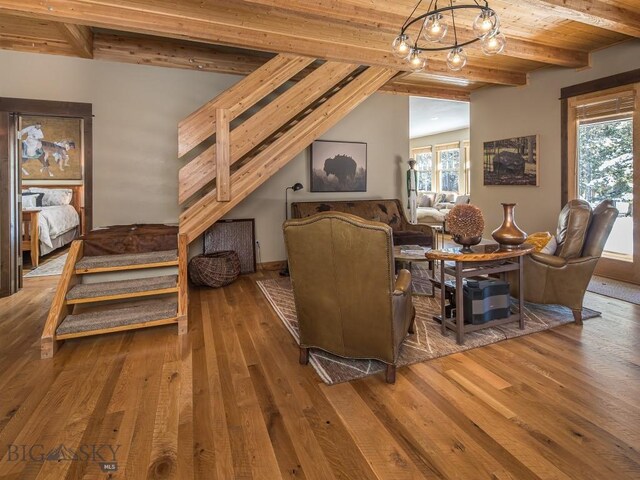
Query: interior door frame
(10, 198)
(608, 267)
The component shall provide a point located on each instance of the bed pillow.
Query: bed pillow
(54, 196)
(32, 199)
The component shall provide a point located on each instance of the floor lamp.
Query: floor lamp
(295, 187)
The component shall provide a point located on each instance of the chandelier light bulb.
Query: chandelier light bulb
(435, 28)
(486, 23)
(417, 61)
(493, 44)
(401, 46)
(457, 59)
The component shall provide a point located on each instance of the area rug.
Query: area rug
(608, 287)
(427, 343)
(50, 268)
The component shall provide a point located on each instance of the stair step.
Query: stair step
(114, 290)
(144, 314)
(127, 261)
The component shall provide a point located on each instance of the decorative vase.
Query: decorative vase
(508, 235)
(466, 242)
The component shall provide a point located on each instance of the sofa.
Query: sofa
(433, 207)
(388, 211)
(348, 300)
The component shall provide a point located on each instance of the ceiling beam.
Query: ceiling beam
(35, 45)
(228, 25)
(419, 90)
(166, 52)
(79, 37)
(370, 18)
(597, 13)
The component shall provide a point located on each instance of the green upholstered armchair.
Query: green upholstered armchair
(562, 278)
(348, 300)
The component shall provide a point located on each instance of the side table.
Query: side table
(484, 260)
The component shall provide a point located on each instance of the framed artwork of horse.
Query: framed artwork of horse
(512, 161)
(338, 166)
(50, 148)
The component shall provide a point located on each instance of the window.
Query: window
(446, 171)
(448, 159)
(424, 167)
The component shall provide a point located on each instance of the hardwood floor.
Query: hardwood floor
(229, 400)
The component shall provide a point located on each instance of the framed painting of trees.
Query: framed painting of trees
(512, 161)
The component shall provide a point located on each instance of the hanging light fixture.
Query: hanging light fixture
(433, 27)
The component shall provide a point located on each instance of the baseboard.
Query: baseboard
(272, 266)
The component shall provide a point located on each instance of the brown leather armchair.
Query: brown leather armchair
(347, 298)
(562, 278)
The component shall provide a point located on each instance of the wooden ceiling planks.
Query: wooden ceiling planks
(539, 33)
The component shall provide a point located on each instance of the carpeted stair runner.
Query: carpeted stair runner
(126, 260)
(148, 311)
(121, 287)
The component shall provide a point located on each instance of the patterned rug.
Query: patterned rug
(427, 343)
(50, 268)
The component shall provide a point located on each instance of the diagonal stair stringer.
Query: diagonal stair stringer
(206, 211)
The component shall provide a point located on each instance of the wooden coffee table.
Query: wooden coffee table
(485, 260)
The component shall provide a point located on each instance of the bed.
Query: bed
(51, 223)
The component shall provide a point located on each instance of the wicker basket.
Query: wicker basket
(214, 269)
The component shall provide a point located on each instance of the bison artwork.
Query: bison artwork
(512, 161)
(338, 167)
(342, 166)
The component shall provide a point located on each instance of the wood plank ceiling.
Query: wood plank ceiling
(237, 36)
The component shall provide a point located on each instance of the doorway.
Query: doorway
(45, 173)
(603, 144)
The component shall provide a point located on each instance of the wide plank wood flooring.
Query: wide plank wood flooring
(230, 401)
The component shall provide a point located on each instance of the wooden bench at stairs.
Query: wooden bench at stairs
(83, 308)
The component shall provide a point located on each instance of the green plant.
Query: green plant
(465, 221)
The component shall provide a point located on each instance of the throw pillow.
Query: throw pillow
(424, 200)
(539, 240)
(551, 247)
(440, 198)
(462, 199)
(449, 197)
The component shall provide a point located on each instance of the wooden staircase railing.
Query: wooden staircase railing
(205, 168)
(308, 109)
(59, 308)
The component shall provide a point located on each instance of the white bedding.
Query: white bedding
(54, 221)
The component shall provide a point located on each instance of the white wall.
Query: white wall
(137, 109)
(440, 138)
(504, 112)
